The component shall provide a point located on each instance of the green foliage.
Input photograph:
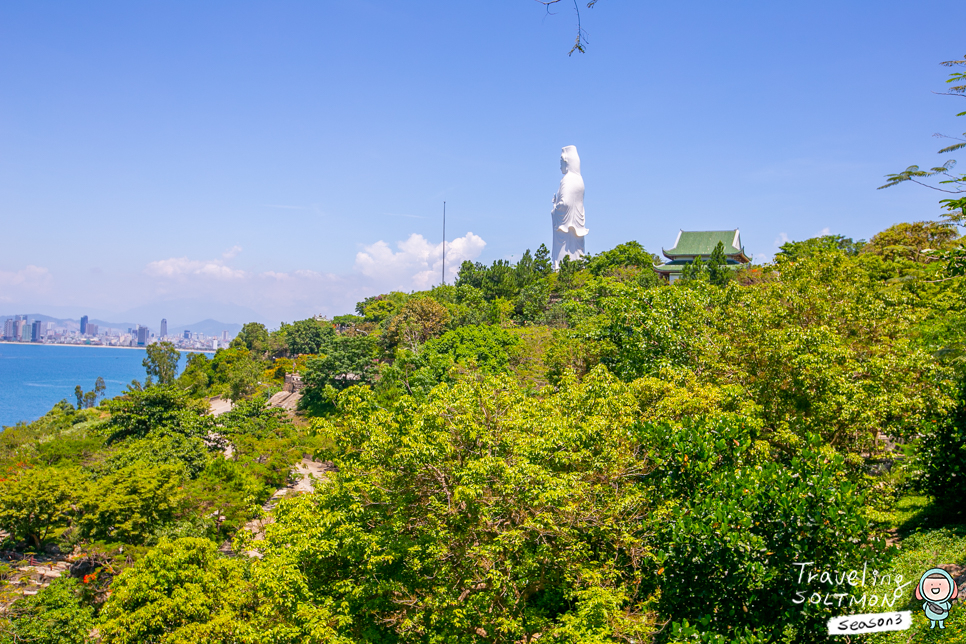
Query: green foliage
(308, 336)
(254, 337)
(795, 250)
(55, 615)
(692, 443)
(684, 631)
(943, 458)
(181, 592)
(948, 182)
(232, 372)
(86, 400)
(630, 254)
(737, 524)
(159, 448)
(380, 308)
(493, 514)
(504, 279)
(913, 241)
(715, 271)
(718, 271)
(130, 504)
(821, 351)
(67, 451)
(484, 349)
(166, 409)
(235, 372)
(489, 348)
(265, 445)
(349, 362)
(921, 551)
(162, 362)
(419, 320)
(34, 502)
(196, 379)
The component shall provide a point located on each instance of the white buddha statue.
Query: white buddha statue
(568, 210)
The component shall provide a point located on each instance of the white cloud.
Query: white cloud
(782, 239)
(231, 252)
(28, 276)
(418, 263)
(26, 281)
(182, 267)
(414, 264)
(823, 232)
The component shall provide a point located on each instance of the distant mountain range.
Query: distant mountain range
(209, 327)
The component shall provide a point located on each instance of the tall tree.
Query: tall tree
(254, 337)
(162, 362)
(308, 336)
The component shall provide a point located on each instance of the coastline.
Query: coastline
(93, 346)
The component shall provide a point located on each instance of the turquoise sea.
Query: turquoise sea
(33, 377)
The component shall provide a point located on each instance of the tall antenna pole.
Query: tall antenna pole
(444, 242)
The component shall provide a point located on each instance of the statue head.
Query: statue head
(569, 161)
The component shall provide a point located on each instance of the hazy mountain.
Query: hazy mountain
(183, 313)
(208, 327)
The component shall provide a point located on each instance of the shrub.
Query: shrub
(55, 615)
(36, 501)
(737, 522)
(129, 505)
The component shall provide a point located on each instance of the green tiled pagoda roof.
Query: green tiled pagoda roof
(692, 243)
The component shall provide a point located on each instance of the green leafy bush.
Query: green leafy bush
(55, 615)
(35, 501)
(187, 452)
(942, 458)
(155, 409)
(129, 505)
(181, 592)
(479, 514)
(737, 522)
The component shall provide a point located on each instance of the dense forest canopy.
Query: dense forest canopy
(586, 455)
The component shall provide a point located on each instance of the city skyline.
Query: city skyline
(29, 328)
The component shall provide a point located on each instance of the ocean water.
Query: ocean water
(33, 377)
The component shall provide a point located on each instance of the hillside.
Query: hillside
(587, 455)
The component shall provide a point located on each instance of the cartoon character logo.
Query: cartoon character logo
(937, 590)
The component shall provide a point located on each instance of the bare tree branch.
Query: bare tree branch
(581, 41)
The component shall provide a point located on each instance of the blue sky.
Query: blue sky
(274, 160)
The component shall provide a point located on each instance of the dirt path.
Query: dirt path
(218, 406)
(306, 474)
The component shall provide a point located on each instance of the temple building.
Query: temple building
(701, 243)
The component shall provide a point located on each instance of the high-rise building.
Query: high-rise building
(164, 328)
(8, 328)
(18, 326)
(84, 325)
(187, 334)
(143, 335)
(224, 336)
(91, 329)
(25, 331)
(38, 331)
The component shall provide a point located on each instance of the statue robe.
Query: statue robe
(568, 210)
